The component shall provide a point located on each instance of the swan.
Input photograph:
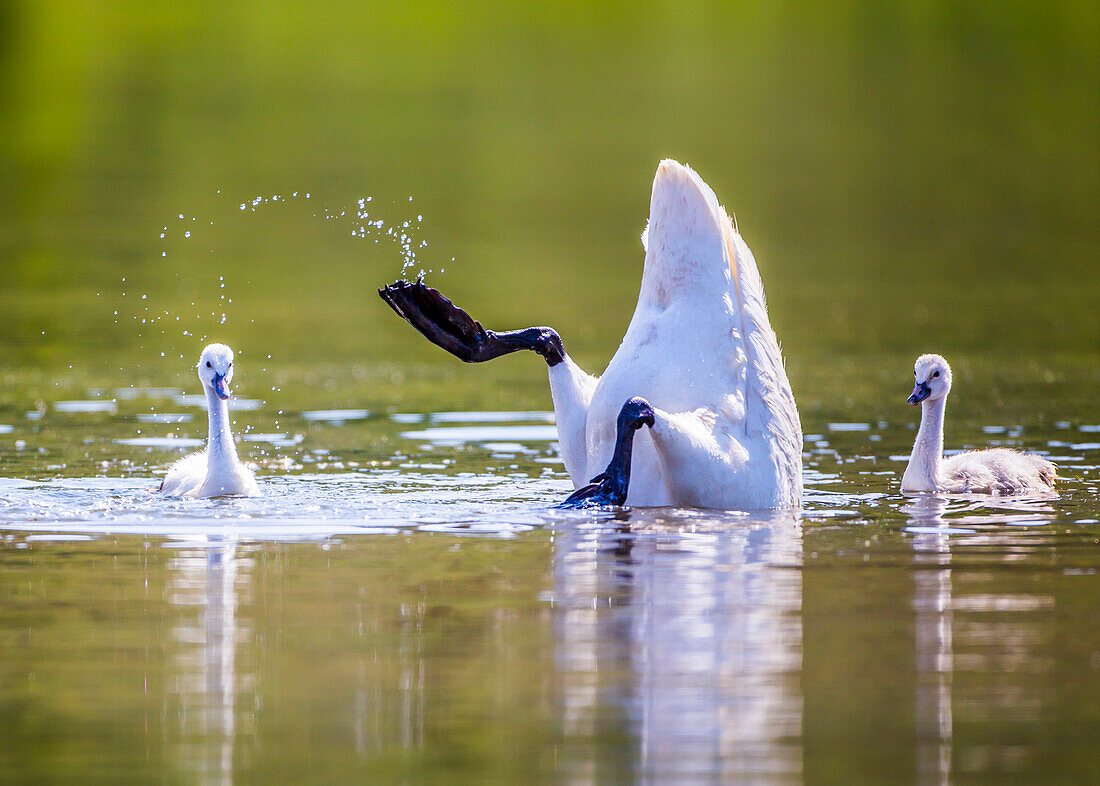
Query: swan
(698, 377)
(992, 471)
(215, 471)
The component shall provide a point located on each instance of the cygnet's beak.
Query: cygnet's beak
(920, 393)
(220, 387)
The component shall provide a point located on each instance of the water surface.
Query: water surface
(420, 610)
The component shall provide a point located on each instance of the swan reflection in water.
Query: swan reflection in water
(685, 636)
(932, 638)
(953, 628)
(679, 647)
(210, 583)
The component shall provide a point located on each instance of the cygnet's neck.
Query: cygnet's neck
(923, 471)
(220, 449)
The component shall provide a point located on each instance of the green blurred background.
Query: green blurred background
(911, 177)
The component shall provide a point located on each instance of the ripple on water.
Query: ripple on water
(407, 418)
(164, 417)
(18, 483)
(278, 440)
(129, 394)
(849, 427)
(199, 400)
(60, 537)
(456, 435)
(509, 448)
(108, 406)
(169, 442)
(293, 507)
(336, 416)
(491, 417)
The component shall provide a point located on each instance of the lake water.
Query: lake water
(403, 603)
(421, 612)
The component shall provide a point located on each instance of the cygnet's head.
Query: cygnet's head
(933, 379)
(216, 369)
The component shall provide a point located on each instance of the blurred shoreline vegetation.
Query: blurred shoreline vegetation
(910, 177)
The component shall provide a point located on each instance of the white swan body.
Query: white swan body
(701, 351)
(215, 471)
(993, 471)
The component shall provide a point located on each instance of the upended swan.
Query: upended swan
(992, 471)
(215, 471)
(699, 367)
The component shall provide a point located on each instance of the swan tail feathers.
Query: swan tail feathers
(770, 408)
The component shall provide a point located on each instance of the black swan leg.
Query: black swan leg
(448, 326)
(610, 487)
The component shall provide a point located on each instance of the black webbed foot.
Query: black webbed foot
(610, 486)
(604, 489)
(448, 326)
(441, 321)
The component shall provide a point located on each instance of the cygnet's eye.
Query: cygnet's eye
(208, 364)
(231, 365)
(936, 374)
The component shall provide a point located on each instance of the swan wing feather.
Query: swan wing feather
(998, 471)
(770, 410)
(186, 476)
